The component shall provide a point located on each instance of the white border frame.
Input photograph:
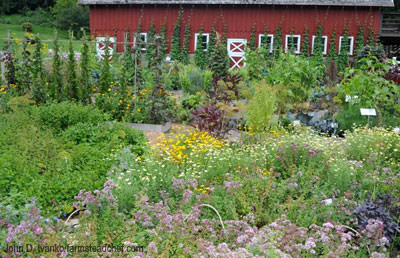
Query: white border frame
(195, 40)
(351, 45)
(286, 43)
(145, 39)
(325, 51)
(271, 47)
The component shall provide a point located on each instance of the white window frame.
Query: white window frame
(325, 51)
(297, 51)
(145, 39)
(271, 44)
(195, 40)
(351, 44)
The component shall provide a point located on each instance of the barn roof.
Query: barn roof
(380, 3)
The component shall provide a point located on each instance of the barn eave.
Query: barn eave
(366, 3)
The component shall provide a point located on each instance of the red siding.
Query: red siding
(114, 20)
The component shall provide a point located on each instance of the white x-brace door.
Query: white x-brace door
(101, 46)
(236, 51)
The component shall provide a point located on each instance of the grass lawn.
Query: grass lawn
(46, 35)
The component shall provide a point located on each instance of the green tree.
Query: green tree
(371, 37)
(71, 16)
(219, 60)
(128, 66)
(16, 6)
(318, 47)
(186, 42)
(266, 44)
(10, 68)
(278, 41)
(106, 77)
(343, 60)
(199, 55)
(151, 48)
(253, 43)
(360, 39)
(211, 45)
(24, 70)
(72, 87)
(333, 53)
(85, 81)
(57, 81)
(176, 39)
(37, 62)
(137, 57)
(138, 44)
(290, 44)
(163, 41)
(39, 91)
(305, 50)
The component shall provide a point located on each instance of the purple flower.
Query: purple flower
(64, 253)
(152, 248)
(187, 195)
(37, 230)
(241, 239)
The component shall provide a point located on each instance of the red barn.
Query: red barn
(237, 18)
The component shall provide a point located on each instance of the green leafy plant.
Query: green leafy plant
(261, 108)
(370, 86)
(298, 76)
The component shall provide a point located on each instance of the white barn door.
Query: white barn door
(236, 51)
(101, 46)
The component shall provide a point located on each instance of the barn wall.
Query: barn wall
(114, 20)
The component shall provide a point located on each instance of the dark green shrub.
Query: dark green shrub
(39, 159)
(27, 27)
(193, 79)
(34, 163)
(109, 134)
(59, 117)
(350, 116)
(369, 51)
